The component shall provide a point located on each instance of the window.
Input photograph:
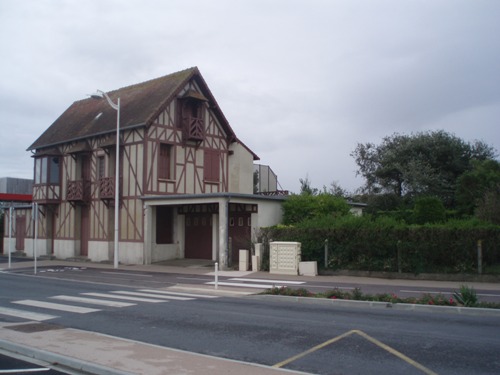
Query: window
(101, 167)
(164, 225)
(165, 162)
(47, 170)
(211, 165)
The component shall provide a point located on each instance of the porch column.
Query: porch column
(148, 233)
(223, 232)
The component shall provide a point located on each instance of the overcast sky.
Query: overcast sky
(301, 82)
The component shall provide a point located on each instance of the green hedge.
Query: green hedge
(391, 246)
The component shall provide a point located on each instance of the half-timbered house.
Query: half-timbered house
(185, 179)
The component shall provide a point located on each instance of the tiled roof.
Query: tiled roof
(139, 105)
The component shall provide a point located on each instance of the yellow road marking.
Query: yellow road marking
(367, 337)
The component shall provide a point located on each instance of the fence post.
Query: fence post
(398, 246)
(479, 257)
(326, 253)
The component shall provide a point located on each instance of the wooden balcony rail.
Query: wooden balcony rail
(193, 128)
(107, 188)
(274, 193)
(78, 191)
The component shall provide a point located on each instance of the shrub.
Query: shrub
(466, 296)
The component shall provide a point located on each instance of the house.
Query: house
(186, 181)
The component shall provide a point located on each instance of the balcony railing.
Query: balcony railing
(78, 191)
(193, 129)
(107, 188)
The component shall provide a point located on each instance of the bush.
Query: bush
(429, 210)
(388, 245)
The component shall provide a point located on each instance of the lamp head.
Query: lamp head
(97, 95)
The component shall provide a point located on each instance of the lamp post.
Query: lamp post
(99, 95)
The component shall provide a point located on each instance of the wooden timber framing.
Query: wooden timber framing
(170, 122)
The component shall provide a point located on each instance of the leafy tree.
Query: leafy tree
(475, 183)
(425, 163)
(488, 208)
(337, 190)
(301, 207)
(429, 210)
(305, 187)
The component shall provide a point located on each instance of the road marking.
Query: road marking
(178, 294)
(127, 298)
(26, 314)
(269, 281)
(128, 274)
(25, 370)
(367, 337)
(153, 295)
(245, 285)
(94, 301)
(445, 292)
(56, 306)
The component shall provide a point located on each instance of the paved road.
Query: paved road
(251, 282)
(313, 338)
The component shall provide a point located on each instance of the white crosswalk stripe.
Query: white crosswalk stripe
(109, 299)
(126, 298)
(23, 314)
(94, 301)
(156, 295)
(255, 283)
(56, 306)
(178, 293)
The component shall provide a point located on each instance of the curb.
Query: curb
(52, 358)
(469, 311)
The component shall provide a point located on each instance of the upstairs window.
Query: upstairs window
(47, 170)
(165, 162)
(211, 166)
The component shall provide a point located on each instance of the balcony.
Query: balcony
(78, 192)
(107, 188)
(192, 129)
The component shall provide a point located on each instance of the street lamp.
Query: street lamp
(99, 95)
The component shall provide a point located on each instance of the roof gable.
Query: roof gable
(140, 104)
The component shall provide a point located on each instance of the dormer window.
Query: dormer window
(192, 116)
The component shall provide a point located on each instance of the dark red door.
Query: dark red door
(20, 232)
(198, 236)
(240, 233)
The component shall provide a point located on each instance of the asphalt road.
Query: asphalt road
(272, 331)
(157, 280)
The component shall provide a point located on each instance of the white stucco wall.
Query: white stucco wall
(240, 165)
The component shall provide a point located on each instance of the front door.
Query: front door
(198, 236)
(240, 232)
(20, 232)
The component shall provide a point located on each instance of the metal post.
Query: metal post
(35, 235)
(479, 257)
(216, 284)
(117, 184)
(326, 253)
(11, 209)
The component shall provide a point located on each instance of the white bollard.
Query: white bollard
(216, 275)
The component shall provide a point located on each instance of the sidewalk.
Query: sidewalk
(96, 353)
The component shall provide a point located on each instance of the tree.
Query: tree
(425, 163)
(301, 207)
(488, 208)
(472, 186)
(305, 187)
(429, 210)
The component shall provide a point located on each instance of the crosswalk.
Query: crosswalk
(255, 283)
(90, 302)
